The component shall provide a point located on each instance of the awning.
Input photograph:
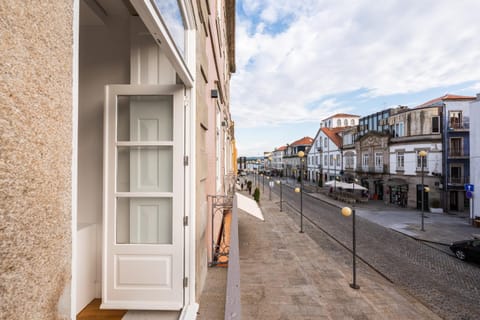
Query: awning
(249, 206)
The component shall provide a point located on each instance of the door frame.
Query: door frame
(129, 89)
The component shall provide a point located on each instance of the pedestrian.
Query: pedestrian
(241, 186)
(249, 187)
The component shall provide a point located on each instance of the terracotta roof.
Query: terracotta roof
(332, 135)
(282, 148)
(305, 141)
(446, 97)
(341, 115)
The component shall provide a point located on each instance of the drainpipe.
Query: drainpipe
(445, 157)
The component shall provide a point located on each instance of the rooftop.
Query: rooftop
(446, 97)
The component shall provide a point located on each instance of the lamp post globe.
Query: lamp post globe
(346, 211)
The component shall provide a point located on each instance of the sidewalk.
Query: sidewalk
(287, 275)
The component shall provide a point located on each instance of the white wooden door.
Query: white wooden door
(143, 262)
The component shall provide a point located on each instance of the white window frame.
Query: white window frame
(400, 161)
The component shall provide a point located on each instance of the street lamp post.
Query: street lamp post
(269, 189)
(335, 173)
(346, 211)
(422, 155)
(280, 183)
(263, 181)
(301, 154)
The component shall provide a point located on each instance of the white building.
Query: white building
(475, 153)
(340, 120)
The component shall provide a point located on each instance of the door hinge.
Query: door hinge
(185, 221)
(185, 282)
(185, 160)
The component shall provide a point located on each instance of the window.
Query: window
(325, 142)
(171, 12)
(349, 161)
(436, 124)
(325, 160)
(339, 123)
(456, 147)
(331, 160)
(337, 157)
(419, 162)
(400, 161)
(399, 129)
(345, 123)
(352, 122)
(346, 139)
(365, 159)
(456, 174)
(455, 119)
(378, 160)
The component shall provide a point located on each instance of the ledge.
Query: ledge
(233, 305)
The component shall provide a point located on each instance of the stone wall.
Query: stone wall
(36, 41)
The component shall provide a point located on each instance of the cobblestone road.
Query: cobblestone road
(449, 287)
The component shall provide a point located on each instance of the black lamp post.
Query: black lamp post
(422, 155)
(280, 183)
(263, 181)
(346, 212)
(301, 154)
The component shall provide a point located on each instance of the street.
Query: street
(448, 286)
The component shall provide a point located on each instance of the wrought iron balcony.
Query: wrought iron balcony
(461, 180)
(458, 152)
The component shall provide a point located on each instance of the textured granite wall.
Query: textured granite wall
(35, 158)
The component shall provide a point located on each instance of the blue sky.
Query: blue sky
(299, 62)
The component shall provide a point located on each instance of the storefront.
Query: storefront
(397, 192)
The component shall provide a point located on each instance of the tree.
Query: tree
(256, 194)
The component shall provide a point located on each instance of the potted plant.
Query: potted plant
(435, 206)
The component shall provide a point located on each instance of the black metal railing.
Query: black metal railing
(221, 205)
(458, 152)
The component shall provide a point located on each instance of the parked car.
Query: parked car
(467, 249)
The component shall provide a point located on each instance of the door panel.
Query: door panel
(143, 205)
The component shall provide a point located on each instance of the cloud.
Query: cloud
(285, 70)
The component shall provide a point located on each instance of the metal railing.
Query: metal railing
(458, 152)
(457, 180)
(221, 205)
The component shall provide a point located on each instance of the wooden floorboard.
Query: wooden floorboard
(93, 311)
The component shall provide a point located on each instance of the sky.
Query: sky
(298, 62)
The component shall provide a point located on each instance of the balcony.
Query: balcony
(458, 180)
(375, 169)
(458, 153)
(456, 125)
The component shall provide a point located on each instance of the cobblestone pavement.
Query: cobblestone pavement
(447, 286)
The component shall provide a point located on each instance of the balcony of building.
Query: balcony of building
(457, 180)
(458, 153)
(372, 169)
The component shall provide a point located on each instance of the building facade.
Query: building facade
(456, 145)
(475, 154)
(292, 163)
(110, 173)
(415, 130)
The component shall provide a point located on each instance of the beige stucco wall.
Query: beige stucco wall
(35, 158)
(202, 240)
